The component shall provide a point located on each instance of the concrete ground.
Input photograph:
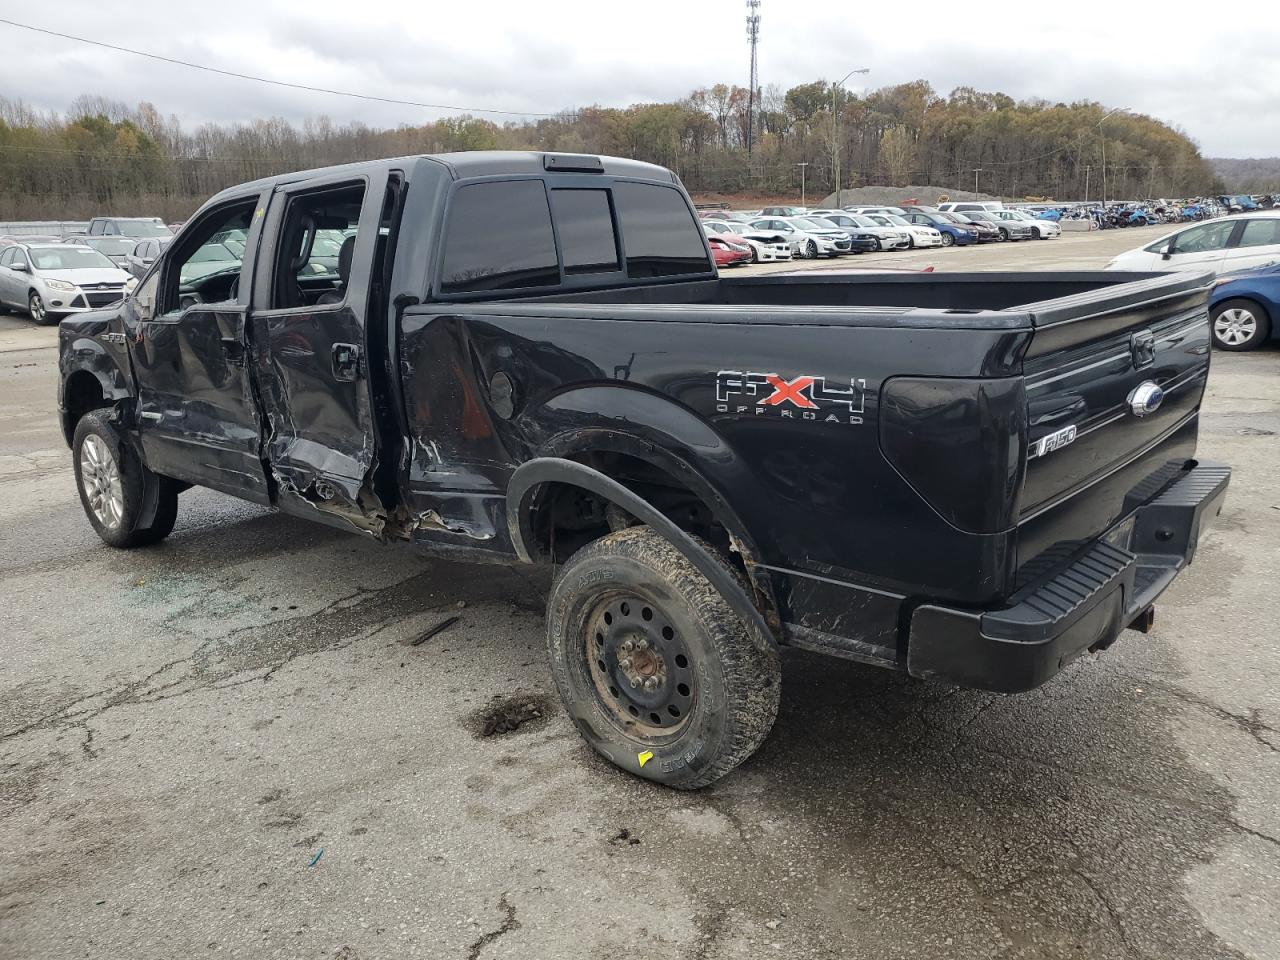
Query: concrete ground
(226, 745)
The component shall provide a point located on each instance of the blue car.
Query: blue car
(1244, 306)
(954, 233)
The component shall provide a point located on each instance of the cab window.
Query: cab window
(584, 221)
(316, 249)
(659, 232)
(499, 237)
(202, 270)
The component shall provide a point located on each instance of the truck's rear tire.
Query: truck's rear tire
(654, 667)
(116, 488)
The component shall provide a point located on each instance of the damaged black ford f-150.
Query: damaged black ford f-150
(970, 477)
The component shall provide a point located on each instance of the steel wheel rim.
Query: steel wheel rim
(1235, 326)
(100, 477)
(640, 668)
(37, 307)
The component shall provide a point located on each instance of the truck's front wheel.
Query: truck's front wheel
(654, 667)
(128, 505)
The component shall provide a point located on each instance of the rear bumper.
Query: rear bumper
(1107, 587)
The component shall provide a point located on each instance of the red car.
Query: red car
(729, 254)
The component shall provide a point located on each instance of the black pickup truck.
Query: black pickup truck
(969, 477)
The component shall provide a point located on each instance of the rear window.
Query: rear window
(499, 238)
(1261, 233)
(585, 224)
(659, 232)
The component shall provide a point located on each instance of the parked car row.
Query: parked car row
(52, 276)
(810, 233)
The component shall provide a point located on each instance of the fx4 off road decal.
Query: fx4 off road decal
(791, 398)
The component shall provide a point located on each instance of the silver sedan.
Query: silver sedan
(50, 280)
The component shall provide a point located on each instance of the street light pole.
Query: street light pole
(835, 130)
(802, 166)
(1104, 151)
(976, 171)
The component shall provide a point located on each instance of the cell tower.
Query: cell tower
(753, 36)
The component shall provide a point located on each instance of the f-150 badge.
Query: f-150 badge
(791, 398)
(1053, 441)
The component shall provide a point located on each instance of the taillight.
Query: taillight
(960, 444)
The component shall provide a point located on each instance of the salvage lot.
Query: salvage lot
(228, 744)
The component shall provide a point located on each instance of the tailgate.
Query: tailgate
(1093, 442)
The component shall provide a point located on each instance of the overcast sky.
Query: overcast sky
(1217, 77)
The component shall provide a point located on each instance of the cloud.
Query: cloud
(513, 56)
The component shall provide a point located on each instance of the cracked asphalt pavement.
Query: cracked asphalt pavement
(228, 745)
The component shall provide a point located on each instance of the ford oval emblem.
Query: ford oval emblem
(1146, 398)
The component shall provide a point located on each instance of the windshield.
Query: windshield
(945, 217)
(212, 252)
(111, 246)
(325, 247)
(68, 258)
(816, 223)
(144, 228)
(893, 218)
(233, 240)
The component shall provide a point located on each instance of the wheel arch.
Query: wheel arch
(537, 479)
(1252, 296)
(90, 379)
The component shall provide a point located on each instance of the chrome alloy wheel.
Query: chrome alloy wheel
(1235, 326)
(100, 476)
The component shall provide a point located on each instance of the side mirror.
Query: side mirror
(21, 267)
(1168, 251)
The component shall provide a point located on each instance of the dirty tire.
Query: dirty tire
(120, 526)
(732, 696)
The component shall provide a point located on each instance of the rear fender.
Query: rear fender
(653, 428)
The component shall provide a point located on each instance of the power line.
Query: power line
(275, 83)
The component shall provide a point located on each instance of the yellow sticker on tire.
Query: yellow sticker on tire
(644, 757)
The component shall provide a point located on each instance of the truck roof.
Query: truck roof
(473, 163)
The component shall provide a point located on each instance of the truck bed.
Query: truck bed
(1058, 346)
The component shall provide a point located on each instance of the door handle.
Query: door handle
(346, 361)
(233, 350)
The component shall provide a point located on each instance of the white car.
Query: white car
(918, 235)
(1219, 246)
(807, 238)
(1044, 229)
(895, 211)
(967, 206)
(888, 236)
(766, 247)
(50, 280)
